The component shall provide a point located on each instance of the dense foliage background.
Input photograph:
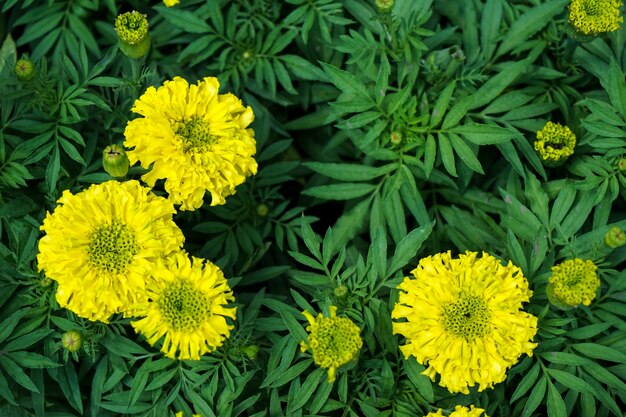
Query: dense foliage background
(381, 138)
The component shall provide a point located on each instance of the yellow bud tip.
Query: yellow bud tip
(72, 340)
(384, 6)
(395, 138)
(24, 69)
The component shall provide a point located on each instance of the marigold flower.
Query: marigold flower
(181, 414)
(462, 317)
(193, 137)
(574, 282)
(187, 306)
(132, 31)
(100, 242)
(460, 411)
(555, 143)
(170, 3)
(592, 17)
(334, 341)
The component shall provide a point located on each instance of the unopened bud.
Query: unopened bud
(115, 161)
(72, 340)
(46, 282)
(132, 31)
(251, 351)
(621, 165)
(395, 138)
(384, 6)
(24, 69)
(615, 237)
(262, 210)
(341, 291)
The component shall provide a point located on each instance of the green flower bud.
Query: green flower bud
(384, 6)
(115, 161)
(46, 282)
(132, 31)
(262, 210)
(615, 237)
(395, 138)
(251, 351)
(621, 165)
(24, 69)
(72, 340)
(341, 291)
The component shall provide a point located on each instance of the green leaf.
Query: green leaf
(183, 19)
(423, 384)
(408, 247)
(485, 134)
(457, 112)
(442, 105)
(526, 383)
(466, 154)
(535, 397)
(8, 324)
(303, 69)
(14, 371)
(307, 389)
(345, 191)
(615, 86)
(346, 82)
(447, 155)
(530, 23)
(570, 381)
(597, 351)
(555, 404)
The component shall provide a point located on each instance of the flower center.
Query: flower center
(468, 317)
(184, 307)
(131, 27)
(335, 341)
(195, 133)
(112, 247)
(591, 8)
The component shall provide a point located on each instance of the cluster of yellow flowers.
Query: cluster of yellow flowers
(555, 142)
(592, 17)
(114, 247)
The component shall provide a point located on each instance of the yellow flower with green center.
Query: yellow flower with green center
(460, 411)
(132, 31)
(186, 307)
(573, 282)
(592, 17)
(555, 143)
(334, 341)
(100, 242)
(462, 317)
(194, 138)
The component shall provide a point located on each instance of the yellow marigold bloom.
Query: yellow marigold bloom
(196, 139)
(460, 411)
(334, 341)
(462, 317)
(555, 143)
(574, 282)
(100, 242)
(170, 3)
(187, 306)
(591, 17)
(180, 413)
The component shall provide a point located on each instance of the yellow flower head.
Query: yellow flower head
(131, 27)
(187, 304)
(196, 138)
(574, 282)
(100, 242)
(591, 17)
(462, 317)
(170, 3)
(334, 341)
(460, 411)
(555, 143)
(180, 413)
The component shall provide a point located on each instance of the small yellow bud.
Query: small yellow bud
(395, 138)
(132, 31)
(251, 351)
(341, 291)
(262, 210)
(384, 6)
(115, 161)
(615, 237)
(621, 165)
(24, 69)
(72, 340)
